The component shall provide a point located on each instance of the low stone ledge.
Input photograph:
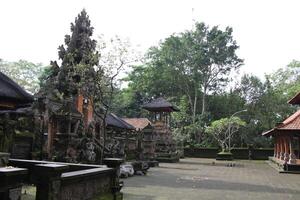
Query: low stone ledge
(11, 176)
(11, 180)
(86, 173)
(72, 166)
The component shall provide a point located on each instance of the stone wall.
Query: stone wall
(64, 181)
(85, 184)
(238, 153)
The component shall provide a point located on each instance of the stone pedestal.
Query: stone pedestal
(292, 159)
(115, 163)
(48, 180)
(286, 157)
(281, 156)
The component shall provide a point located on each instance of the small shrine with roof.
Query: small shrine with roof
(161, 111)
(120, 141)
(144, 137)
(287, 140)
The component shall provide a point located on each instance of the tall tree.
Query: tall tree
(199, 61)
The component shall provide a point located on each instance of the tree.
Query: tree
(198, 61)
(224, 129)
(211, 55)
(25, 73)
(286, 80)
(116, 55)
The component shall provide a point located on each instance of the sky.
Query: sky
(267, 31)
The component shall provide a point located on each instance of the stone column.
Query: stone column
(278, 147)
(275, 147)
(299, 147)
(292, 156)
(48, 180)
(286, 150)
(115, 163)
(52, 128)
(281, 148)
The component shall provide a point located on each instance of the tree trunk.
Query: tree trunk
(204, 101)
(195, 105)
(103, 127)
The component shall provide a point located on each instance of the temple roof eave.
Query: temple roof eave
(281, 131)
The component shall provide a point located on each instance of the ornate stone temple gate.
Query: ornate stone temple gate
(287, 140)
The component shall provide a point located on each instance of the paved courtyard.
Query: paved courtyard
(194, 179)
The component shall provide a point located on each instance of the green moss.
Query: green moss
(28, 192)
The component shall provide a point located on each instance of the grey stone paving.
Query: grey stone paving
(194, 179)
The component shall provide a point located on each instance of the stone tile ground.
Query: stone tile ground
(205, 179)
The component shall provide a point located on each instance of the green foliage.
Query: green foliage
(116, 55)
(224, 129)
(266, 105)
(25, 73)
(191, 63)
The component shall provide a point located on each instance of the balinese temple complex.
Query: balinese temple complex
(287, 140)
(161, 111)
(69, 130)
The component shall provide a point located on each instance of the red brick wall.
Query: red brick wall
(79, 103)
(90, 111)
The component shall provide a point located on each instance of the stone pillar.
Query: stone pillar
(286, 150)
(115, 163)
(292, 156)
(275, 147)
(281, 157)
(52, 129)
(48, 180)
(298, 147)
(278, 148)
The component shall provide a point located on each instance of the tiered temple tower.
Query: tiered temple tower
(161, 111)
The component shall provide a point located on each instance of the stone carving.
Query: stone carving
(15, 194)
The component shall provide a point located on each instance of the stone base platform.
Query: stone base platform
(284, 167)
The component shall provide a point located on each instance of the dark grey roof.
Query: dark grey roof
(160, 104)
(113, 120)
(11, 91)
